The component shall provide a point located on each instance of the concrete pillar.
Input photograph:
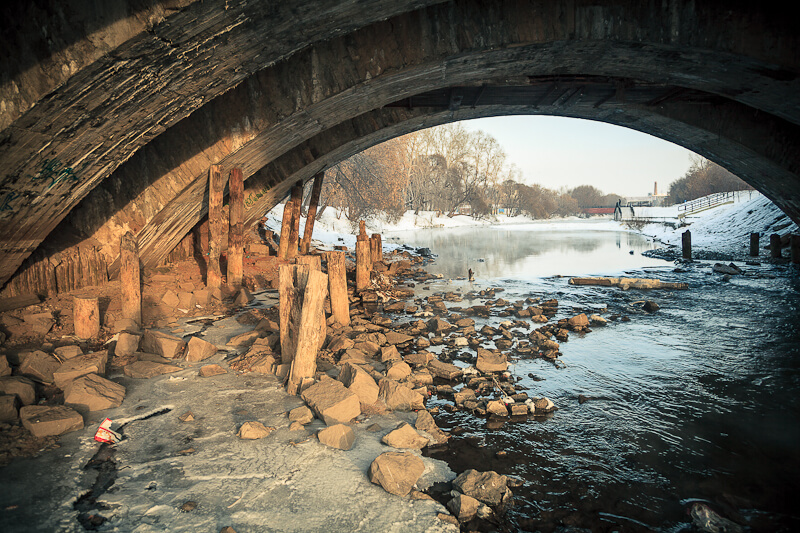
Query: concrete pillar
(236, 228)
(755, 241)
(686, 244)
(130, 279)
(775, 246)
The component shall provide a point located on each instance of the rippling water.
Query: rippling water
(698, 401)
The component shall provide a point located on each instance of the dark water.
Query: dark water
(698, 401)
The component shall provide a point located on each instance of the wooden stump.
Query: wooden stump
(236, 228)
(755, 239)
(337, 287)
(376, 247)
(363, 264)
(775, 246)
(686, 242)
(130, 279)
(216, 226)
(304, 364)
(87, 318)
(305, 246)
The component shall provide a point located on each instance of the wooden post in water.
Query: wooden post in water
(305, 246)
(794, 243)
(236, 228)
(130, 279)
(304, 364)
(755, 241)
(86, 318)
(337, 287)
(363, 263)
(216, 226)
(686, 242)
(376, 248)
(294, 233)
(775, 246)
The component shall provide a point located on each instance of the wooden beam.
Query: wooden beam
(236, 228)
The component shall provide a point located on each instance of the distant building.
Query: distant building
(651, 200)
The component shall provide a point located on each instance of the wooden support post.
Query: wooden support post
(130, 279)
(755, 241)
(775, 246)
(337, 287)
(286, 228)
(686, 242)
(216, 226)
(236, 228)
(294, 233)
(87, 318)
(794, 243)
(304, 364)
(305, 246)
(376, 248)
(363, 264)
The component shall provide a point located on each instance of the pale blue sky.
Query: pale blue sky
(559, 151)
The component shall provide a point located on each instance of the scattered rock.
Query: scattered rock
(68, 352)
(199, 349)
(254, 430)
(93, 393)
(148, 369)
(163, 344)
(340, 436)
(93, 363)
(301, 414)
(39, 366)
(463, 507)
(46, 421)
(399, 397)
(405, 437)
(487, 487)
(332, 402)
(491, 362)
(9, 408)
(650, 307)
(396, 472)
(208, 371)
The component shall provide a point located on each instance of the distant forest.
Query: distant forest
(454, 170)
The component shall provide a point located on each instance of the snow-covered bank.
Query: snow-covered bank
(726, 229)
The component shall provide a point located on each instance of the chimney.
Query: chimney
(655, 189)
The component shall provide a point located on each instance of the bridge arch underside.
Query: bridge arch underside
(652, 69)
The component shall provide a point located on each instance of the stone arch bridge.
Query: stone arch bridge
(112, 112)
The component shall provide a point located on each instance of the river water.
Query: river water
(699, 401)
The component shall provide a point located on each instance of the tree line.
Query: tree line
(449, 169)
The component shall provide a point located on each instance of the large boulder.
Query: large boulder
(39, 366)
(93, 393)
(48, 421)
(399, 397)
(332, 402)
(491, 362)
(148, 369)
(80, 366)
(163, 344)
(19, 386)
(360, 382)
(340, 436)
(405, 437)
(396, 472)
(199, 349)
(489, 487)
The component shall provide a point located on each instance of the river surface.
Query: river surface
(699, 401)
